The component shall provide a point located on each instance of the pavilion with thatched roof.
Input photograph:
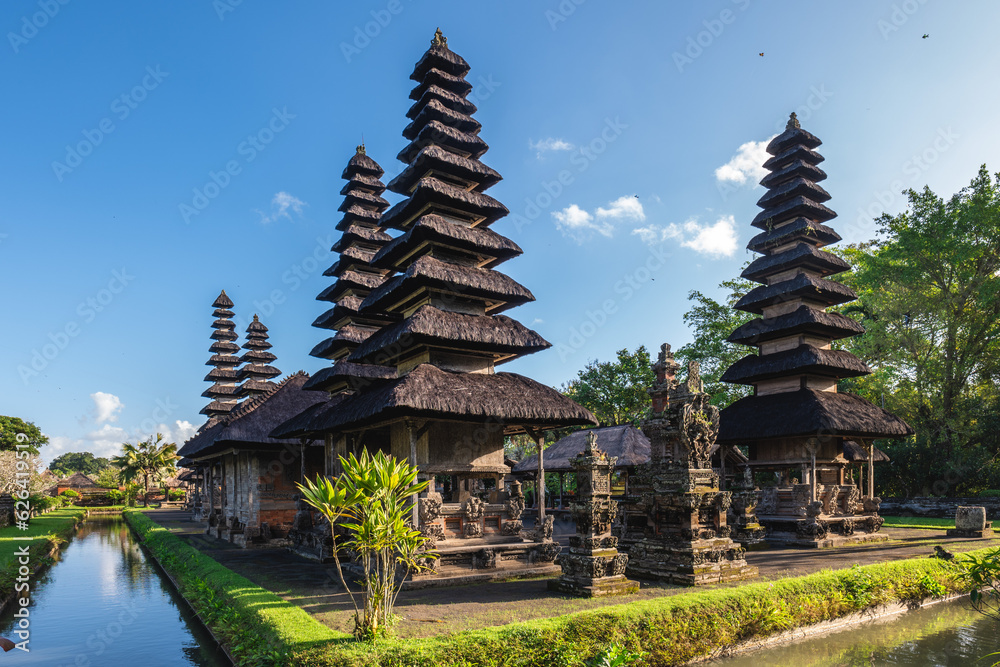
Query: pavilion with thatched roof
(796, 423)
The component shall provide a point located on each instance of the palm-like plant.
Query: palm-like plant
(372, 499)
(146, 460)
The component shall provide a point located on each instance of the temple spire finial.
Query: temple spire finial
(793, 122)
(439, 39)
(361, 148)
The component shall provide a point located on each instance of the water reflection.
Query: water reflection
(103, 603)
(944, 634)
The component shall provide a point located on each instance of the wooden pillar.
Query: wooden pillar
(871, 469)
(302, 461)
(560, 490)
(415, 430)
(225, 500)
(812, 475)
(540, 479)
(722, 468)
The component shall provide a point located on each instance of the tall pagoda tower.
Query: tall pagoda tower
(439, 402)
(796, 423)
(223, 376)
(355, 277)
(256, 373)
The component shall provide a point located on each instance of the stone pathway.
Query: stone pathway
(430, 611)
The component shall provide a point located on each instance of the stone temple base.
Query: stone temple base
(985, 533)
(696, 563)
(473, 560)
(593, 573)
(824, 533)
(615, 585)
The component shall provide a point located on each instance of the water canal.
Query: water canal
(942, 634)
(104, 603)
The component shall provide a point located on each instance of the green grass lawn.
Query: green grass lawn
(44, 530)
(918, 522)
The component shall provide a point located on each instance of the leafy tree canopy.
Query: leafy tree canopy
(615, 391)
(12, 427)
(71, 462)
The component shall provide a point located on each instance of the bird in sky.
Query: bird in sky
(925, 36)
(761, 54)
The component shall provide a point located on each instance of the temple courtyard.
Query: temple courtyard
(437, 611)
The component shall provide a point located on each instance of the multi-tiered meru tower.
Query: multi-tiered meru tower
(257, 373)
(796, 422)
(223, 376)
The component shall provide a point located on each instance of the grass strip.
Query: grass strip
(46, 531)
(257, 626)
(918, 522)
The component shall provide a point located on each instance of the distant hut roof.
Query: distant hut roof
(626, 442)
(78, 481)
(251, 422)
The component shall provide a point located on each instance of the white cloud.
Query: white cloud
(107, 407)
(179, 433)
(581, 225)
(281, 204)
(543, 146)
(623, 208)
(715, 240)
(105, 441)
(746, 165)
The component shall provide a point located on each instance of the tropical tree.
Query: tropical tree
(711, 323)
(151, 459)
(373, 501)
(15, 431)
(615, 391)
(66, 464)
(108, 477)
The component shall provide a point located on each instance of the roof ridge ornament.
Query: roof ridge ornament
(361, 149)
(793, 122)
(439, 39)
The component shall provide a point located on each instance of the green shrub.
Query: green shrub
(176, 494)
(70, 493)
(990, 493)
(115, 496)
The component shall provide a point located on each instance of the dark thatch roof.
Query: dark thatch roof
(219, 390)
(223, 323)
(224, 334)
(795, 169)
(350, 281)
(781, 192)
(78, 481)
(221, 374)
(793, 154)
(797, 206)
(496, 334)
(346, 339)
(436, 132)
(222, 301)
(793, 136)
(434, 229)
(434, 92)
(435, 158)
(255, 355)
(814, 289)
(855, 452)
(250, 424)
(257, 370)
(362, 182)
(512, 401)
(222, 360)
(436, 110)
(349, 375)
(440, 57)
(799, 229)
(357, 197)
(468, 281)
(224, 346)
(801, 255)
(365, 235)
(626, 442)
(804, 359)
(432, 191)
(436, 77)
(806, 413)
(803, 319)
(361, 164)
(222, 312)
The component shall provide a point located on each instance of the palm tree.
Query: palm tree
(149, 459)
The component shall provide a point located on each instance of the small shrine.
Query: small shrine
(798, 429)
(593, 567)
(675, 527)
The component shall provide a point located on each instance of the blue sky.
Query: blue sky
(652, 114)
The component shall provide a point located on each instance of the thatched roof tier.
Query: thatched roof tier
(800, 256)
(249, 425)
(783, 191)
(222, 313)
(436, 133)
(346, 311)
(257, 371)
(254, 343)
(435, 160)
(223, 301)
(509, 400)
(801, 360)
(440, 78)
(792, 136)
(793, 154)
(428, 274)
(626, 443)
(854, 452)
(222, 360)
(434, 195)
(252, 386)
(361, 164)
(219, 390)
(221, 374)
(793, 208)
(257, 356)
(795, 169)
(305, 423)
(358, 216)
(350, 282)
(352, 253)
(496, 336)
(338, 346)
(802, 320)
(818, 290)
(349, 376)
(347, 264)
(224, 334)
(432, 231)
(363, 236)
(445, 96)
(218, 408)
(799, 229)
(807, 413)
(435, 110)
(363, 182)
(355, 199)
(224, 347)
(440, 57)
(223, 323)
